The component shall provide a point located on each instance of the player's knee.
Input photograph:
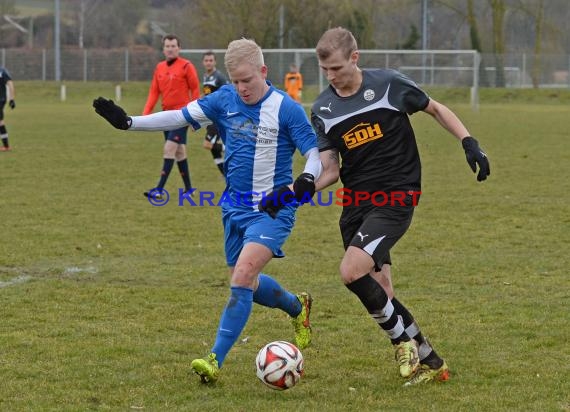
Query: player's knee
(243, 276)
(355, 264)
(347, 272)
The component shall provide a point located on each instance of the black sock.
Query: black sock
(166, 168)
(4, 136)
(184, 172)
(412, 328)
(426, 353)
(375, 300)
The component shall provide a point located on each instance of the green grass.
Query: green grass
(105, 299)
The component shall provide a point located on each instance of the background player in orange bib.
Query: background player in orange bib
(293, 83)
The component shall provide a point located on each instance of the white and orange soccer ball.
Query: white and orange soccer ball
(279, 365)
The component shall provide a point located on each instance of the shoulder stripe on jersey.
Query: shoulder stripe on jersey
(195, 125)
(383, 103)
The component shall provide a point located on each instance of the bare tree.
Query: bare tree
(112, 24)
(466, 13)
(498, 12)
(219, 22)
(534, 10)
(82, 10)
(306, 20)
(475, 40)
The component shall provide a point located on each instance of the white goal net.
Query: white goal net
(428, 68)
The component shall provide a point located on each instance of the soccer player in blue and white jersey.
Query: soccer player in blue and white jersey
(261, 128)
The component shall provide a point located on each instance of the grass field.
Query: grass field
(105, 299)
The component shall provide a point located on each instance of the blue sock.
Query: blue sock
(271, 294)
(232, 322)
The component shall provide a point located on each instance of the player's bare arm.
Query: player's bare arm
(331, 169)
(447, 119)
(474, 154)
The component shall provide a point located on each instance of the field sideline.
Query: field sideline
(106, 299)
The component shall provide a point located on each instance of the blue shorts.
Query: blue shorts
(177, 135)
(244, 225)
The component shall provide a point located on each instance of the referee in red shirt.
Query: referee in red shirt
(176, 80)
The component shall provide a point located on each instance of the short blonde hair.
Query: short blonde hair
(334, 39)
(243, 51)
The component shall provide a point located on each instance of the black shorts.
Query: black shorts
(217, 150)
(213, 136)
(376, 229)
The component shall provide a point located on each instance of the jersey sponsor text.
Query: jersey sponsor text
(362, 133)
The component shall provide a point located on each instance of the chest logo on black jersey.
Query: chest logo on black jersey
(362, 133)
(326, 108)
(369, 94)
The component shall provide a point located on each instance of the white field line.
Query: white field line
(73, 270)
(15, 281)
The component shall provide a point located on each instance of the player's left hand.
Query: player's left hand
(304, 187)
(476, 156)
(276, 200)
(112, 113)
(12, 104)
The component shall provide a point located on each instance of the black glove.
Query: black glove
(476, 156)
(304, 187)
(276, 200)
(12, 104)
(112, 113)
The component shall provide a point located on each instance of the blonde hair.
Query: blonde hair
(243, 51)
(337, 38)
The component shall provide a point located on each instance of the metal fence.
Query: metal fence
(430, 67)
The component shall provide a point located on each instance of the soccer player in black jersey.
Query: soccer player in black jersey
(213, 79)
(363, 117)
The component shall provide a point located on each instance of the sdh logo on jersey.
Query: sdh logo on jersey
(362, 133)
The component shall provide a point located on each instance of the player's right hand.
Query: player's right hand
(276, 200)
(12, 104)
(112, 113)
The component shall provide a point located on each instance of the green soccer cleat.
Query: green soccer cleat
(207, 368)
(407, 358)
(426, 374)
(302, 323)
